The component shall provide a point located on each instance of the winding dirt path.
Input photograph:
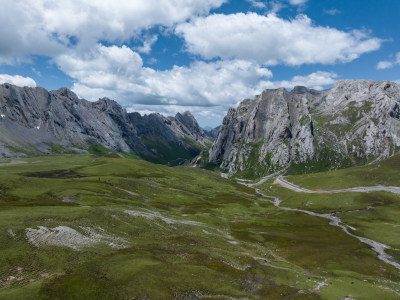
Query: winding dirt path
(377, 247)
(392, 189)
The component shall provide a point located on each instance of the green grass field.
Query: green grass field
(106, 227)
(386, 172)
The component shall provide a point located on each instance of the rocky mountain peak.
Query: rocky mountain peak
(276, 94)
(186, 125)
(66, 93)
(354, 122)
(186, 118)
(110, 106)
(300, 90)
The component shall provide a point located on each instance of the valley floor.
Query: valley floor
(86, 227)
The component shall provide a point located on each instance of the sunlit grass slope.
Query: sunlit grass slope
(386, 172)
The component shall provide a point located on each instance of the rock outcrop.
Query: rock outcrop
(355, 122)
(35, 121)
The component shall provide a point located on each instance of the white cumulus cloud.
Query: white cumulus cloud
(49, 27)
(257, 4)
(382, 65)
(318, 81)
(17, 80)
(387, 64)
(207, 89)
(147, 44)
(271, 40)
(118, 72)
(332, 12)
(298, 2)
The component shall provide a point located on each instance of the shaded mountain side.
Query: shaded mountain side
(36, 121)
(171, 140)
(353, 123)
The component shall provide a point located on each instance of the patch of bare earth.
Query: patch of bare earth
(63, 236)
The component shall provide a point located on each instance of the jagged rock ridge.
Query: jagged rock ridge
(33, 120)
(355, 122)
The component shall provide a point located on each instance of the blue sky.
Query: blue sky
(199, 55)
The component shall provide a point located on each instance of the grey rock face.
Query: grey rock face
(359, 120)
(355, 122)
(185, 125)
(33, 119)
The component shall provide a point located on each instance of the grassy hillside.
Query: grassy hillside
(386, 172)
(92, 227)
(373, 215)
(173, 154)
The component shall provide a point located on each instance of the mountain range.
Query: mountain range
(355, 122)
(36, 121)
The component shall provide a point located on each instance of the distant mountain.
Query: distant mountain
(212, 132)
(172, 140)
(35, 121)
(353, 123)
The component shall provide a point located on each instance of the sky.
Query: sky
(204, 56)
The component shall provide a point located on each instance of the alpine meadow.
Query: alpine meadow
(199, 149)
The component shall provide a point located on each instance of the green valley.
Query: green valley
(110, 227)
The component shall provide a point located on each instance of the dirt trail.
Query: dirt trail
(377, 247)
(392, 189)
